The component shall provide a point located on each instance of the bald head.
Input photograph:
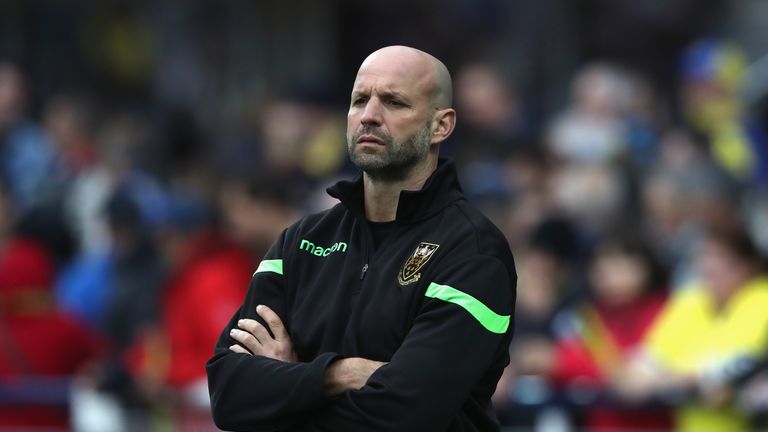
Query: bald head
(416, 66)
(399, 113)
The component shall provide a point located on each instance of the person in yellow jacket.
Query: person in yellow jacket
(703, 330)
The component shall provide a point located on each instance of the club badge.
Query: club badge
(410, 271)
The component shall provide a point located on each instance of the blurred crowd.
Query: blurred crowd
(630, 180)
(640, 246)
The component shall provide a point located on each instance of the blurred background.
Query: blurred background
(150, 152)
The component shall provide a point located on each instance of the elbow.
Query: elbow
(228, 418)
(225, 411)
(228, 421)
(221, 421)
(224, 421)
(222, 416)
(233, 412)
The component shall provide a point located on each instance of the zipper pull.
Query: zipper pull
(362, 273)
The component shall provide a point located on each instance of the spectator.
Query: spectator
(303, 136)
(589, 140)
(703, 330)
(26, 156)
(592, 130)
(208, 278)
(256, 211)
(115, 288)
(493, 123)
(713, 79)
(40, 347)
(600, 334)
(138, 276)
(681, 195)
(547, 284)
(118, 291)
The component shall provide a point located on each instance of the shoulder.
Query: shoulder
(332, 223)
(475, 250)
(753, 297)
(323, 221)
(689, 307)
(686, 299)
(487, 237)
(757, 287)
(328, 216)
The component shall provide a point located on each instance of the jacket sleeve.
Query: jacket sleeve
(258, 393)
(459, 338)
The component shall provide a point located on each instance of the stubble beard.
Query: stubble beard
(396, 160)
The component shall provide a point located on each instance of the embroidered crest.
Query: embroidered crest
(410, 271)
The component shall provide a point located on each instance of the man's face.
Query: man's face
(389, 120)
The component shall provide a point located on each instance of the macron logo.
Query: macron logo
(310, 247)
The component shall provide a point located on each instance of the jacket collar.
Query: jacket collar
(441, 189)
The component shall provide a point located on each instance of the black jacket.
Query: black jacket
(435, 301)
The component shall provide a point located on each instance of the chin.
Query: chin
(368, 160)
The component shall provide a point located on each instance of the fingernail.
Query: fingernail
(259, 308)
(240, 322)
(232, 332)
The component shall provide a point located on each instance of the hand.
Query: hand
(349, 374)
(256, 338)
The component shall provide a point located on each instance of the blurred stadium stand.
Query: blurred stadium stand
(150, 152)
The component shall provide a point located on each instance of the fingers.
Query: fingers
(256, 338)
(239, 349)
(246, 339)
(256, 329)
(274, 322)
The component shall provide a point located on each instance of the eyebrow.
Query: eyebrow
(385, 94)
(393, 94)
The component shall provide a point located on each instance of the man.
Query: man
(390, 311)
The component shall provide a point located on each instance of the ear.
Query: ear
(443, 122)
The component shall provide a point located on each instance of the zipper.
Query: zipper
(367, 241)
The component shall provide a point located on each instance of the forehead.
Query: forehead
(407, 76)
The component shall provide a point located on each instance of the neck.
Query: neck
(724, 294)
(382, 196)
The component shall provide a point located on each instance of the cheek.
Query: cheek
(403, 129)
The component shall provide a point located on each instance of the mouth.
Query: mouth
(370, 139)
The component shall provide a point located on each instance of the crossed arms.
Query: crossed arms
(342, 375)
(258, 384)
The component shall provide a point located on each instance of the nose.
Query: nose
(371, 114)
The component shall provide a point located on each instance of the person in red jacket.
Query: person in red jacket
(41, 348)
(208, 277)
(596, 337)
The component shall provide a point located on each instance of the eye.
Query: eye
(358, 101)
(396, 103)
